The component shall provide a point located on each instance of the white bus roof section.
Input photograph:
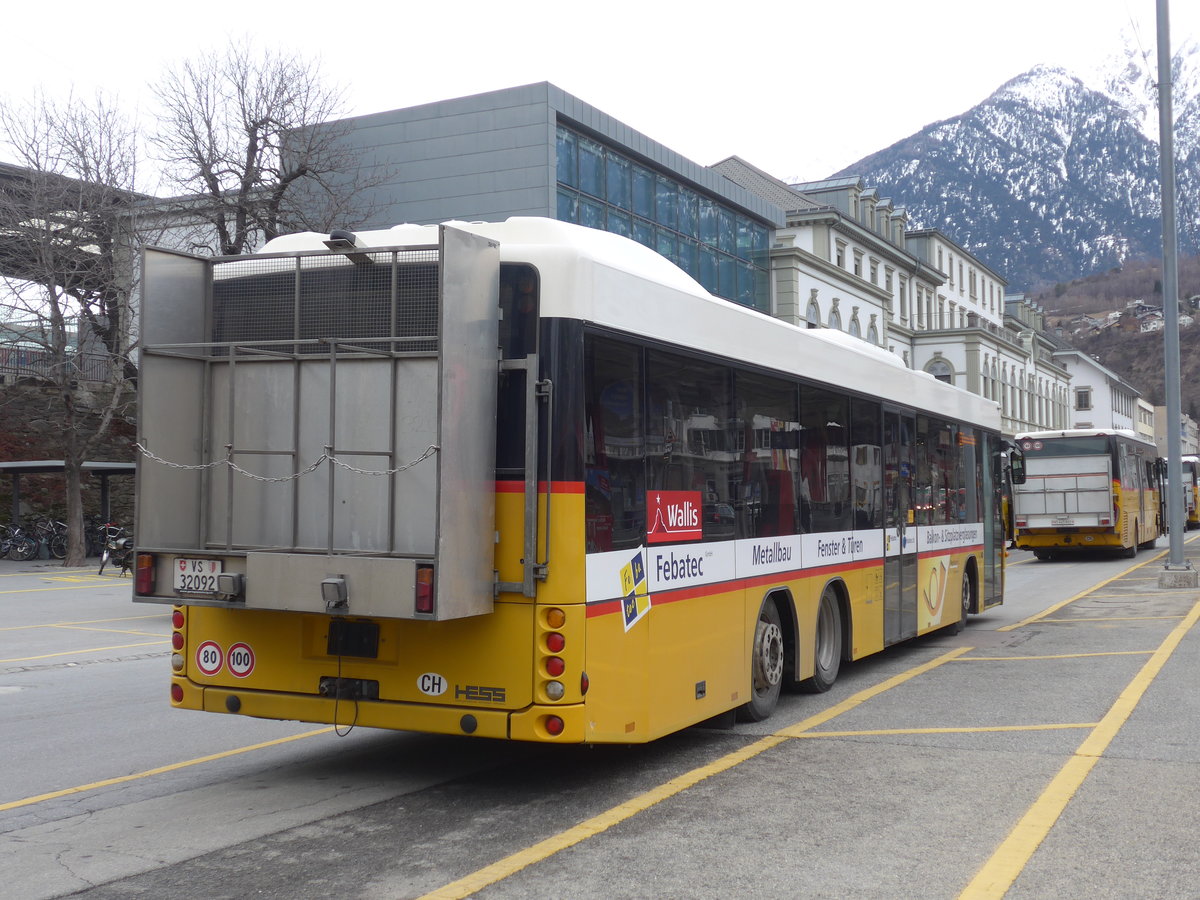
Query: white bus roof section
(583, 269)
(1083, 433)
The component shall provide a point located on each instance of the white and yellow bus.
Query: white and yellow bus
(528, 480)
(1088, 489)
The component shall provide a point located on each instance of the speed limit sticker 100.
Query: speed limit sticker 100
(240, 659)
(211, 658)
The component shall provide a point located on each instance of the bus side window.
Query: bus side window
(518, 311)
(691, 440)
(824, 460)
(770, 455)
(614, 446)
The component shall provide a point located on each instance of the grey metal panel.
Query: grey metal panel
(262, 418)
(179, 286)
(416, 429)
(170, 416)
(170, 399)
(467, 423)
(292, 581)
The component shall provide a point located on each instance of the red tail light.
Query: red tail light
(423, 603)
(554, 725)
(143, 579)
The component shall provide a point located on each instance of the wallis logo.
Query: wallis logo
(673, 516)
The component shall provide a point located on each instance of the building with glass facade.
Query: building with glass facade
(537, 151)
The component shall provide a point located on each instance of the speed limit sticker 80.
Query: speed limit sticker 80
(211, 658)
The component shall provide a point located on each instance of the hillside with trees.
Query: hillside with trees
(1135, 356)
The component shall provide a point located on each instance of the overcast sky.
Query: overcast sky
(797, 88)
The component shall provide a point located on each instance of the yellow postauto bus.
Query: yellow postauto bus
(528, 480)
(1088, 489)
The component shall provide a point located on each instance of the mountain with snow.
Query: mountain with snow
(1056, 175)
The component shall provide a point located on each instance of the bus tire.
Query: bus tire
(1131, 551)
(968, 598)
(827, 644)
(766, 665)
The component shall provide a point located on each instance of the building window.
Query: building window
(941, 370)
(1083, 398)
(874, 271)
(812, 318)
(855, 328)
(723, 249)
(835, 317)
(858, 268)
(841, 254)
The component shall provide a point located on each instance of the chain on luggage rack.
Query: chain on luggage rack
(325, 456)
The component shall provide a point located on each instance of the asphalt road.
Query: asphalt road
(1049, 750)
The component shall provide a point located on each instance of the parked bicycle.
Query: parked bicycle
(52, 534)
(16, 543)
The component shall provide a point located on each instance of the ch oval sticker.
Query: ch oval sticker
(432, 684)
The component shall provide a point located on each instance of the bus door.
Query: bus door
(900, 530)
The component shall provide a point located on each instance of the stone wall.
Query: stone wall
(31, 429)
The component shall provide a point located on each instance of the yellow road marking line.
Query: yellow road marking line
(1110, 618)
(1055, 656)
(17, 659)
(84, 622)
(513, 863)
(972, 730)
(866, 694)
(45, 574)
(46, 590)
(1050, 610)
(40, 798)
(1014, 853)
(105, 630)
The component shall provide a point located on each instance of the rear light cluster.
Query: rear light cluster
(143, 575)
(178, 642)
(423, 596)
(553, 665)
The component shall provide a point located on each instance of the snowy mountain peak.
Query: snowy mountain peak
(1056, 174)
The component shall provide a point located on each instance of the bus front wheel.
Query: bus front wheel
(766, 665)
(827, 645)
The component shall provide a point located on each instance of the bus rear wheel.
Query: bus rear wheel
(827, 645)
(1131, 551)
(766, 665)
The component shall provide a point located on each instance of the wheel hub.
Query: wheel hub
(768, 655)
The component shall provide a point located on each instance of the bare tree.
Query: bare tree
(68, 214)
(252, 144)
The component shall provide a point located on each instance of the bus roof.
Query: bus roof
(583, 269)
(1085, 433)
